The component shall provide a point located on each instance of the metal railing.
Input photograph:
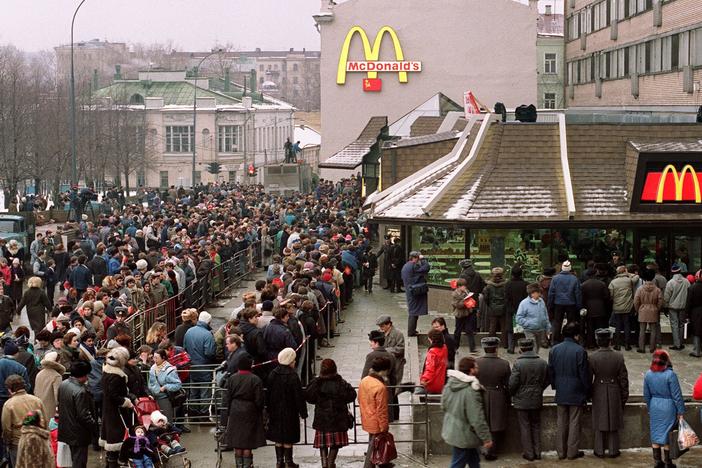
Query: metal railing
(198, 295)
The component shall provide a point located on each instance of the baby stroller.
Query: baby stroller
(144, 408)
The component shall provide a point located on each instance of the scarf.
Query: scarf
(138, 441)
(159, 368)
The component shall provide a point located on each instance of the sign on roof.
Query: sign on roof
(372, 65)
(668, 182)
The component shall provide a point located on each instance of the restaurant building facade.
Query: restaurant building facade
(536, 194)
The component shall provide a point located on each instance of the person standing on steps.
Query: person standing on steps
(395, 345)
(564, 299)
(610, 392)
(527, 382)
(494, 297)
(693, 312)
(675, 299)
(648, 301)
(397, 255)
(414, 277)
(494, 375)
(466, 319)
(515, 292)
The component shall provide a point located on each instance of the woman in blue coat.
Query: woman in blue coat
(163, 378)
(665, 404)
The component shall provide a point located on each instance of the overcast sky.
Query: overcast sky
(35, 25)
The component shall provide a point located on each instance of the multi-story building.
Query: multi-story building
(634, 53)
(91, 56)
(234, 129)
(550, 60)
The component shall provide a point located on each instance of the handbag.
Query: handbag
(177, 397)
(384, 450)
(675, 451)
(350, 419)
(419, 289)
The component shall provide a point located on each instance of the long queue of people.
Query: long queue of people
(79, 299)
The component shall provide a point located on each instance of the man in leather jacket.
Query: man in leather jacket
(77, 414)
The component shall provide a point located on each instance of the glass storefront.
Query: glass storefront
(444, 248)
(687, 252)
(531, 249)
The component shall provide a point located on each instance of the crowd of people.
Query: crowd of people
(78, 369)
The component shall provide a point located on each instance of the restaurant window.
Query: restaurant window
(528, 248)
(579, 246)
(443, 248)
(687, 253)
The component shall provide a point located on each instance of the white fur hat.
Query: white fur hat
(51, 356)
(205, 317)
(287, 356)
(157, 416)
(566, 266)
(118, 357)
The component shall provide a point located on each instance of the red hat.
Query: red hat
(327, 275)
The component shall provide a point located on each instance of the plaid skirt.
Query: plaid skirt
(330, 439)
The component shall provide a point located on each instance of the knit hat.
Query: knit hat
(118, 357)
(675, 268)
(204, 317)
(142, 264)
(566, 266)
(661, 361)
(287, 356)
(267, 306)
(10, 348)
(157, 416)
(327, 275)
(51, 356)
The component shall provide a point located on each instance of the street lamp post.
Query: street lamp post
(74, 168)
(197, 70)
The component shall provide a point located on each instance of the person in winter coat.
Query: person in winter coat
(527, 382)
(414, 277)
(330, 394)
(37, 303)
(465, 426)
(48, 381)
(439, 324)
(76, 412)
(277, 335)
(14, 411)
(474, 282)
(189, 319)
(435, 364)
(200, 345)
(7, 310)
(285, 402)
(494, 297)
(370, 265)
(610, 392)
(564, 299)
(697, 389)
(693, 311)
(138, 449)
(665, 404)
(598, 303)
(569, 374)
(163, 378)
(515, 292)
(648, 301)
(373, 403)
(466, 319)
(494, 375)
(254, 344)
(15, 288)
(533, 317)
(116, 405)
(621, 289)
(675, 299)
(34, 449)
(243, 400)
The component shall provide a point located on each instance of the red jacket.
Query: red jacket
(697, 389)
(435, 369)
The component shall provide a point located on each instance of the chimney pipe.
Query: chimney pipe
(227, 85)
(95, 79)
(252, 81)
(118, 72)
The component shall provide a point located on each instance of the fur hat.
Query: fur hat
(51, 356)
(204, 317)
(287, 356)
(157, 416)
(142, 264)
(118, 357)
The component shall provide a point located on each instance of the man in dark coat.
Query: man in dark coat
(277, 335)
(610, 391)
(397, 256)
(569, 374)
(384, 251)
(527, 383)
(494, 302)
(564, 299)
(414, 274)
(77, 414)
(598, 303)
(515, 292)
(376, 338)
(474, 282)
(493, 373)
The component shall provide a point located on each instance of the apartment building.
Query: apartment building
(634, 53)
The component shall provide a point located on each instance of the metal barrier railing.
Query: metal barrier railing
(197, 295)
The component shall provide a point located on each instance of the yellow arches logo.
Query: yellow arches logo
(679, 183)
(371, 53)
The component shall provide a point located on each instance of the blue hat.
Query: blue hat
(10, 348)
(675, 268)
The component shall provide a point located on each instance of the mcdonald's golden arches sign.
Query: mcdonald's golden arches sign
(676, 183)
(371, 65)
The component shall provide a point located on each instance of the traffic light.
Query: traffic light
(214, 168)
(252, 170)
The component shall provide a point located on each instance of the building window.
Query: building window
(442, 247)
(260, 68)
(141, 178)
(179, 138)
(198, 177)
(163, 179)
(550, 64)
(549, 100)
(294, 80)
(228, 138)
(295, 67)
(232, 176)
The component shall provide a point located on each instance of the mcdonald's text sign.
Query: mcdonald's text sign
(372, 65)
(674, 184)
